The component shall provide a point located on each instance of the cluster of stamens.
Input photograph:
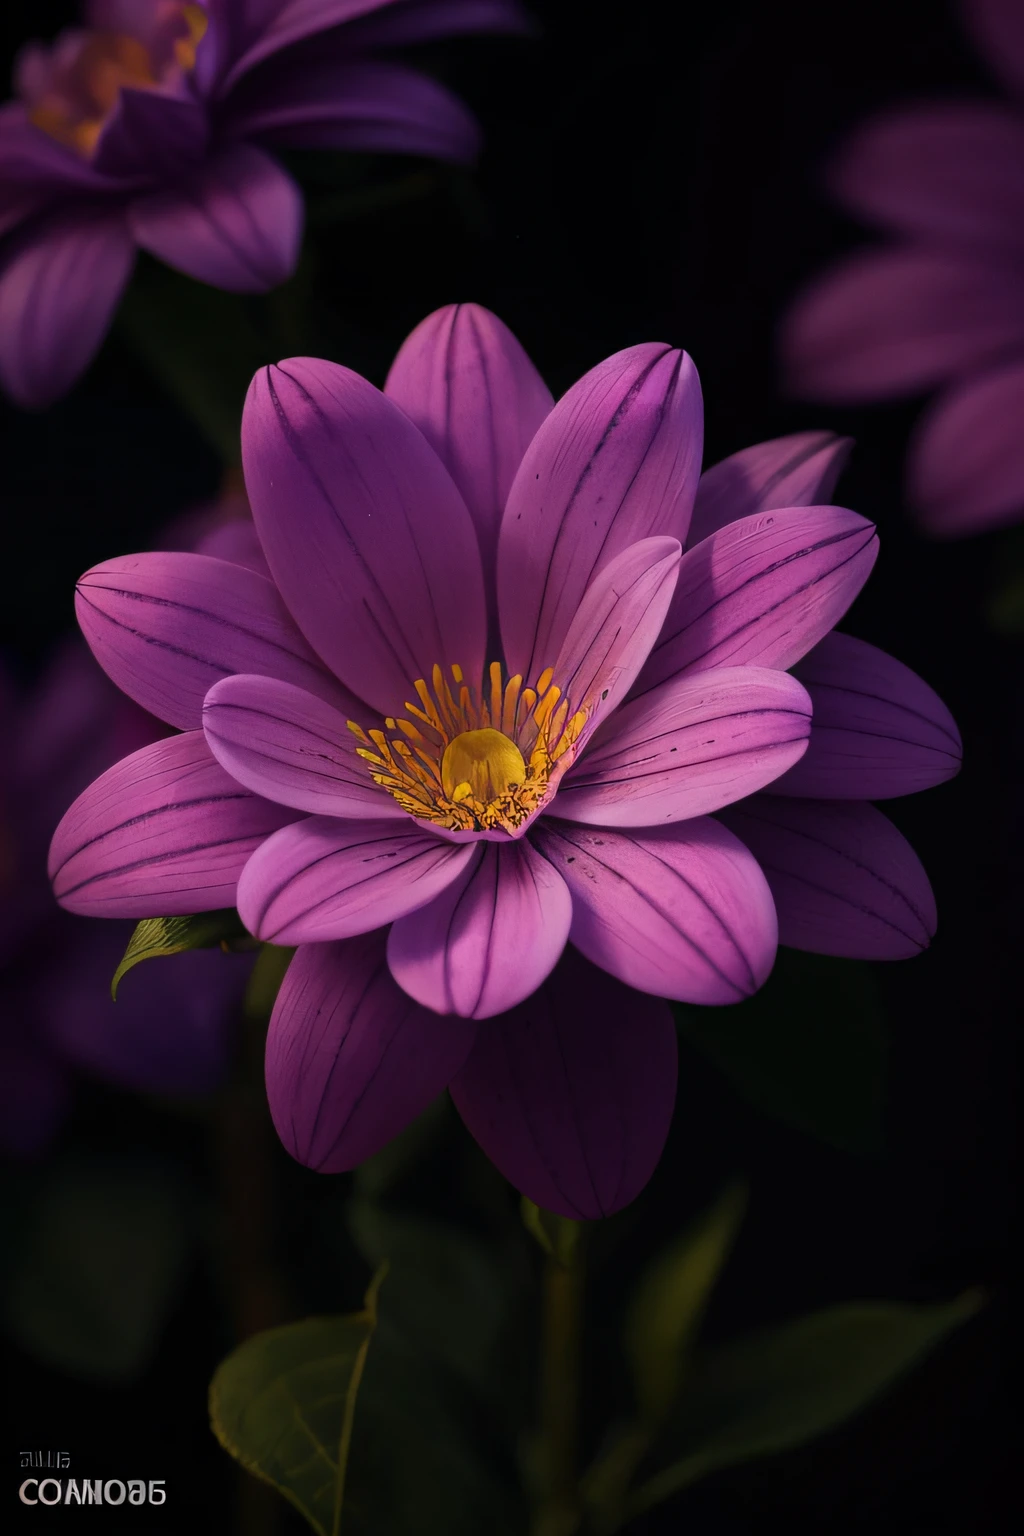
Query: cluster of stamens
(469, 759)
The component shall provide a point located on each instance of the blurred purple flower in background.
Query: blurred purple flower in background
(944, 305)
(150, 129)
(485, 707)
(56, 1013)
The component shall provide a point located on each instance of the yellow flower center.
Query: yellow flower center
(75, 109)
(472, 760)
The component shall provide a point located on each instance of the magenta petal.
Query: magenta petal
(615, 462)
(236, 223)
(796, 471)
(894, 322)
(351, 1060)
(966, 465)
(166, 627)
(59, 286)
(32, 160)
(571, 1094)
(423, 21)
(680, 911)
(879, 730)
(163, 832)
(368, 539)
(688, 747)
(761, 592)
(845, 881)
(998, 30)
(286, 744)
(478, 400)
(943, 172)
(490, 939)
(151, 135)
(327, 879)
(618, 621)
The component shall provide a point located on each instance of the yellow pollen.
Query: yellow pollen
(481, 761)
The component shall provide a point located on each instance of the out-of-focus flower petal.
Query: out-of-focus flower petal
(490, 939)
(283, 742)
(235, 540)
(879, 730)
(900, 321)
(423, 21)
(330, 879)
(998, 30)
(761, 591)
(681, 911)
(616, 461)
(236, 223)
(945, 172)
(478, 400)
(571, 1094)
(163, 832)
(151, 136)
(60, 282)
(796, 471)
(688, 747)
(385, 581)
(32, 159)
(845, 881)
(966, 466)
(351, 1059)
(166, 627)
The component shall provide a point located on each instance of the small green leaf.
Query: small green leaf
(156, 936)
(272, 962)
(668, 1306)
(810, 1048)
(783, 1387)
(97, 1265)
(557, 1235)
(283, 1404)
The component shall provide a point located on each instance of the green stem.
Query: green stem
(560, 1511)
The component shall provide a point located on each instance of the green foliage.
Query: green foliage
(101, 1251)
(809, 1048)
(283, 1404)
(557, 1235)
(272, 962)
(156, 936)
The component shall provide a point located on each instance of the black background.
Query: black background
(649, 175)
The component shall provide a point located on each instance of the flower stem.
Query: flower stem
(559, 1511)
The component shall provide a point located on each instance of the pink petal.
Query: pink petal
(615, 462)
(487, 941)
(368, 539)
(845, 882)
(879, 730)
(762, 591)
(998, 31)
(943, 172)
(688, 747)
(478, 400)
(571, 1094)
(966, 465)
(286, 744)
(900, 321)
(680, 911)
(796, 471)
(166, 627)
(163, 832)
(331, 879)
(351, 1060)
(236, 223)
(60, 283)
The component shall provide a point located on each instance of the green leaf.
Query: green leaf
(97, 1266)
(810, 1048)
(283, 1404)
(156, 936)
(783, 1387)
(202, 346)
(668, 1306)
(272, 962)
(557, 1235)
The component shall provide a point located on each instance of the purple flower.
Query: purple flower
(56, 1013)
(943, 306)
(150, 128)
(484, 710)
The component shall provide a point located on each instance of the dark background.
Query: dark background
(649, 175)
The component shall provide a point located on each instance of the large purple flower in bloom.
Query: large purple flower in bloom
(944, 305)
(152, 128)
(464, 741)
